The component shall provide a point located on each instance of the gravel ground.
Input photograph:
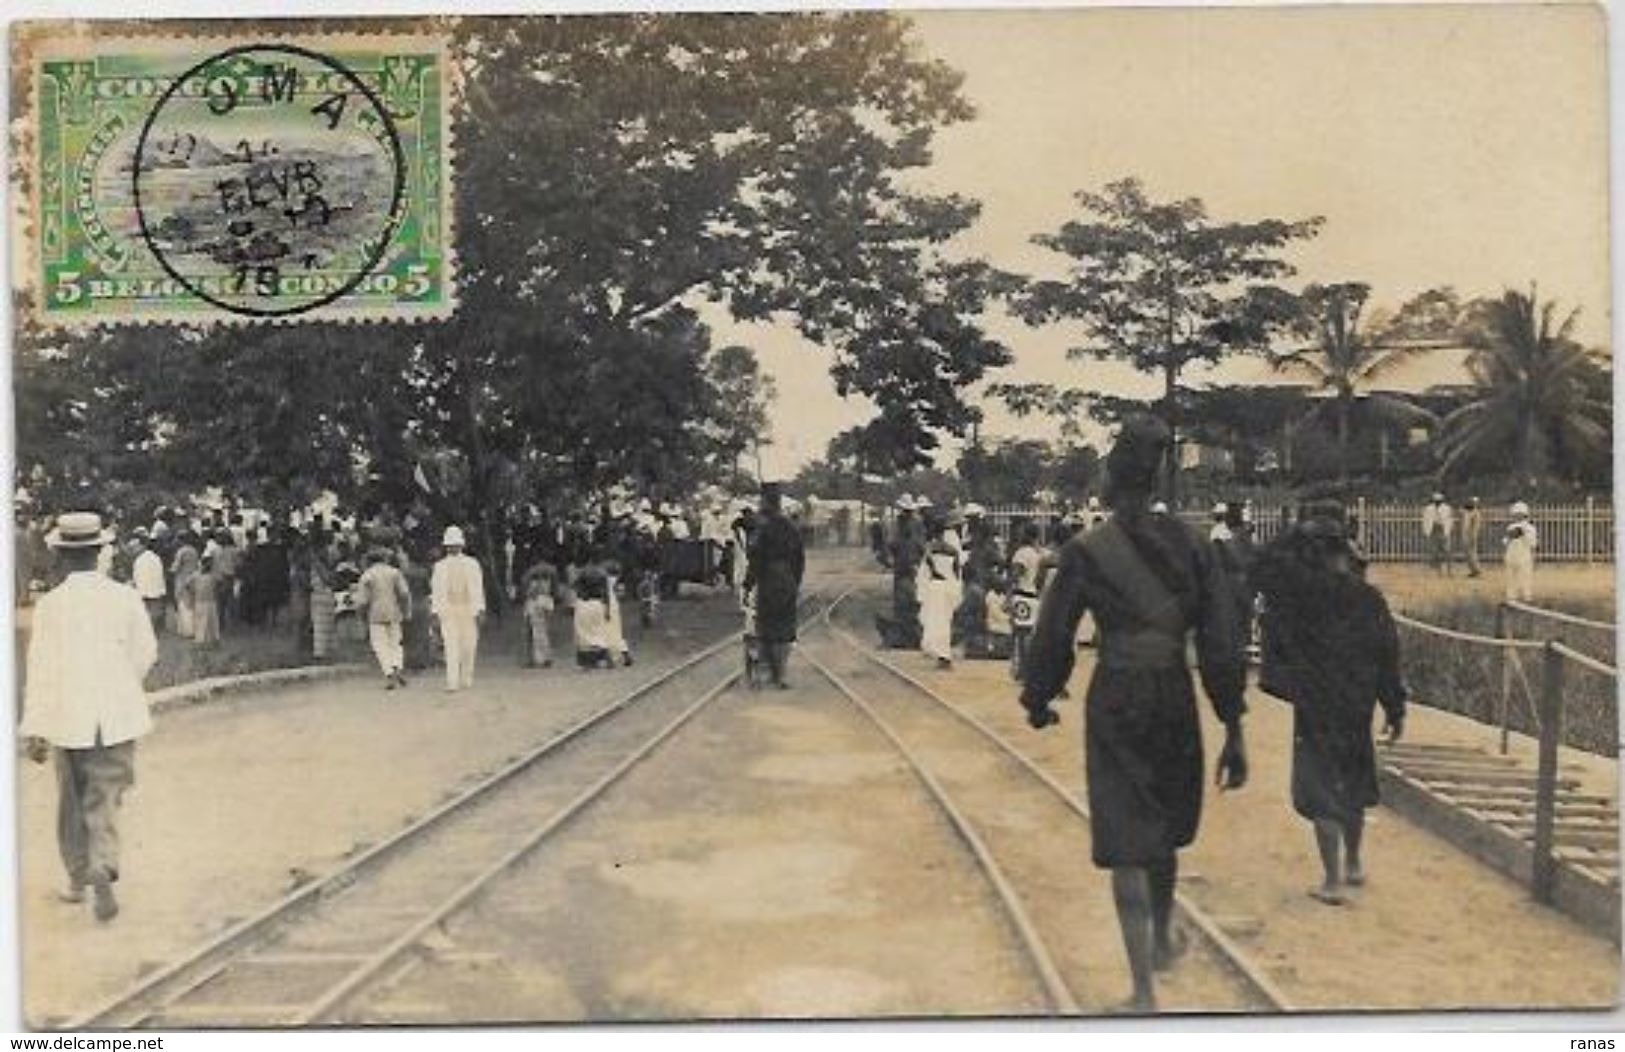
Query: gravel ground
(1434, 929)
(771, 861)
(238, 799)
(802, 873)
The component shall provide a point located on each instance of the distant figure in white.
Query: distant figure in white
(939, 586)
(457, 600)
(1521, 541)
(1437, 521)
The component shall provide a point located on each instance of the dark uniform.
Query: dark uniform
(903, 630)
(1149, 580)
(776, 564)
(1332, 651)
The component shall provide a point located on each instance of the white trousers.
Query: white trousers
(937, 618)
(461, 635)
(386, 639)
(1520, 579)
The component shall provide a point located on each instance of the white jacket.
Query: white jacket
(457, 587)
(91, 647)
(1436, 515)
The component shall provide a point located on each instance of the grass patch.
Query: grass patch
(1468, 678)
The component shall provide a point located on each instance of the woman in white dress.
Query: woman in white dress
(939, 587)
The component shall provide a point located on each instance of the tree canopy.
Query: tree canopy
(1162, 286)
(614, 173)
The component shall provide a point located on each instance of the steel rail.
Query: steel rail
(342, 993)
(1060, 995)
(1238, 961)
(150, 994)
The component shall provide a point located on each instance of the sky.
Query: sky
(1443, 145)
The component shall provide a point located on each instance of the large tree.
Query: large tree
(613, 173)
(743, 394)
(1542, 403)
(1163, 286)
(656, 160)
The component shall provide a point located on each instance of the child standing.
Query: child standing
(1000, 631)
(1025, 569)
(612, 604)
(753, 643)
(203, 594)
(592, 629)
(538, 608)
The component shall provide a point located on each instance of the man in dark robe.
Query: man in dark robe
(1331, 650)
(1149, 581)
(777, 562)
(902, 630)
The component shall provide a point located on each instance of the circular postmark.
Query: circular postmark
(269, 180)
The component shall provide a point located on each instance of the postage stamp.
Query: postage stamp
(210, 178)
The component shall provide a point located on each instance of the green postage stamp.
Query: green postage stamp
(201, 178)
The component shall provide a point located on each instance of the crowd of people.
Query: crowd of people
(207, 574)
(101, 603)
(1448, 529)
(1118, 574)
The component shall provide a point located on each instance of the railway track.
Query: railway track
(306, 958)
(1023, 805)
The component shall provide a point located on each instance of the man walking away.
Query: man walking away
(1152, 582)
(1472, 530)
(85, 706)
(1334, 656)
(147, 573)
(777, 562)
(457, 600)
(1436, 533)
(383, 593)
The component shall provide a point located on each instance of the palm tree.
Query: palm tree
(1540, 399)
(1343, 361)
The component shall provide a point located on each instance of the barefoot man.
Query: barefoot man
(1332, 651)
(84, 704)
(1150, 581)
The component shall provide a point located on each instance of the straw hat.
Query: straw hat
(78, 529)
(453, 537)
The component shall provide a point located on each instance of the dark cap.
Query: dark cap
(1142, 445)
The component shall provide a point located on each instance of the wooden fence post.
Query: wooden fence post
(1506, 674)
(1591, 534)
(1551, 729)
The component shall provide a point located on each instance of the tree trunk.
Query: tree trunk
(1344, 411)
(479, 494)
(1170, 379)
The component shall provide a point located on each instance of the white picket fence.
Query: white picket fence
(1581, 532)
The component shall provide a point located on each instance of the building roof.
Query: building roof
(1435, 368)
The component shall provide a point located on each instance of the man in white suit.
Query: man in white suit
(85, 704)
(457, 600)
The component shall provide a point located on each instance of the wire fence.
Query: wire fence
(1499, 679)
